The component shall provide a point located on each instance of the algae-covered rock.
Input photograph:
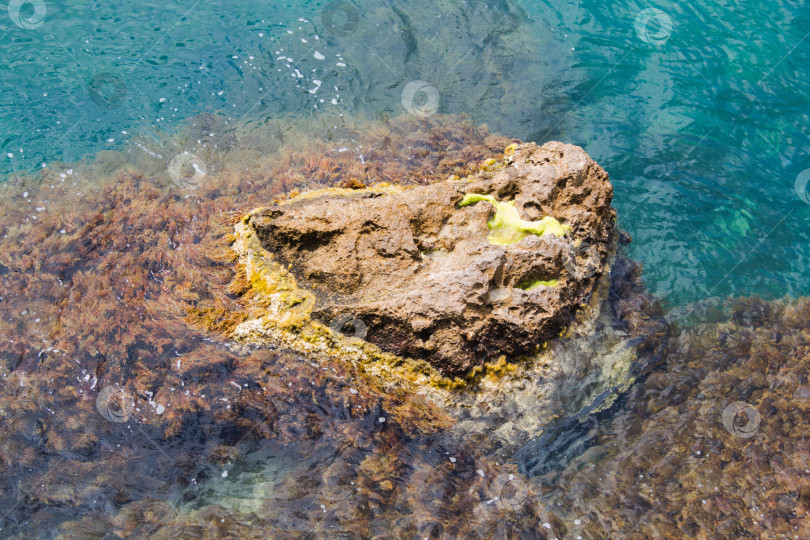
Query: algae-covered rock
(456, 273)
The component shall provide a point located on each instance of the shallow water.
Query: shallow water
(698, 113)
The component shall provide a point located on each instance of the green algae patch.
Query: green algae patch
(507, 226)
(529, 285)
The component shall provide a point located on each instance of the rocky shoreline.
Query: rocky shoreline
(151, 390)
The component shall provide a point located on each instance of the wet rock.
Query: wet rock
(456, 273)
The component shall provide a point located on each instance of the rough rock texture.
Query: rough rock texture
(439, 276)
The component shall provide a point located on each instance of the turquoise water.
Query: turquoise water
(703, 130)
(699, 113)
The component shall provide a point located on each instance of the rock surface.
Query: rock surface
(458, 272)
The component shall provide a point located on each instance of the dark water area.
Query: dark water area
(135, 135)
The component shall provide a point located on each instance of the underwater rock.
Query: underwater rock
(455, 273)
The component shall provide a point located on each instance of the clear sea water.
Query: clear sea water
(700, 112)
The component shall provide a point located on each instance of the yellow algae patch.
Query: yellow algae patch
(529, 285)
(507, 226)
(276, 289)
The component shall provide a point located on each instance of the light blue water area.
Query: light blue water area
(698, 112)
(94, 72)
(704, 133)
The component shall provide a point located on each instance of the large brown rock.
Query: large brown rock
(427, 275)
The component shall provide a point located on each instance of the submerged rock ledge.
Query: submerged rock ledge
(439, 280)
